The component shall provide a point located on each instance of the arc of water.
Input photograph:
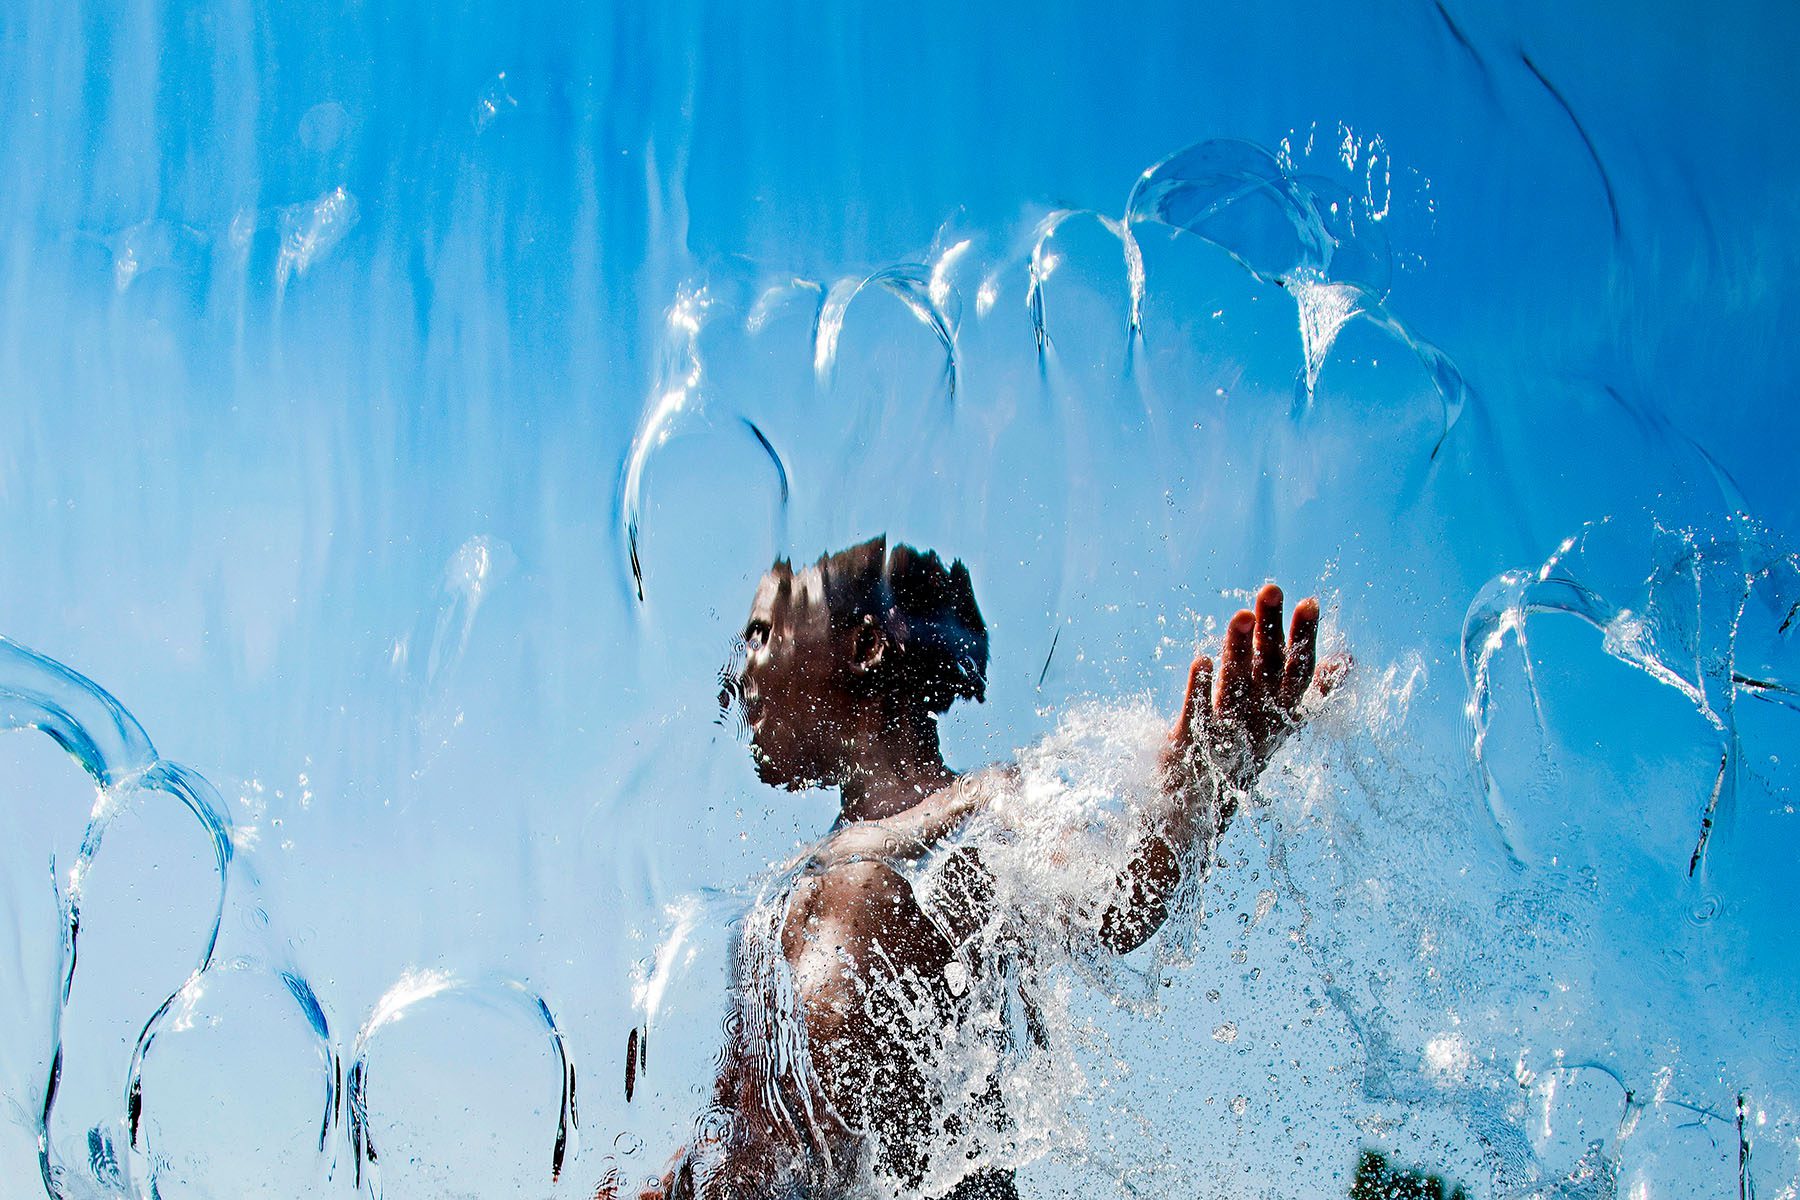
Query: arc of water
(142, 1155)
(1042, 264)
(1708, 677)
(416, 987)
(676, 398)
(677, 389)
(1298, 244)
(917, 286)
(37, 692)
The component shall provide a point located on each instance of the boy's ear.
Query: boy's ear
(868, 645)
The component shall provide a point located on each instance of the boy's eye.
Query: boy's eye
(756, 635)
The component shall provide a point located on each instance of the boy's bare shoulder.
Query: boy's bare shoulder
(846, 915)
(909, 836)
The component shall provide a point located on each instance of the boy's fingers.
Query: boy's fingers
(1198, 687)
(1270, 648)
(1302, 654)
(1236, 666)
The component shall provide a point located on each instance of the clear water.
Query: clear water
(401, 401)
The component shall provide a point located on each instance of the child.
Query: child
(849, 664)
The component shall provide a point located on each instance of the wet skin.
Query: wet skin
(853, 924)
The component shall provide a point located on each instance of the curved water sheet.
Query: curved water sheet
(235, 1089)
(145, 914)
(1044, 262)
(1084, 279)
(1711, 620)
(1305, 233)
(680, 1005)
(882, 419)
(922, 289)
(729, 413)
(676, 408)
(461, 1084)
(1238, 196)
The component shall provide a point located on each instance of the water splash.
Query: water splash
(996, 1042)
(408, 994)
(309, 231)
(777, 1085)
(111, 747)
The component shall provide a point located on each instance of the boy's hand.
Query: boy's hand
(1263, 679)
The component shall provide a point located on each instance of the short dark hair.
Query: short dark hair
(938, 641)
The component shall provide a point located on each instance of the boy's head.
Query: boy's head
(865, 643)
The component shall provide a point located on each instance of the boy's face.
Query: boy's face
(796, 706)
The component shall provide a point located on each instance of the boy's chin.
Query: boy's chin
(768, 770)
(780, 775)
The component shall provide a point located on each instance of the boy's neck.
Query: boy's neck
(894, 768)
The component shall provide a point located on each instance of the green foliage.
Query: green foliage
(1378, 1179)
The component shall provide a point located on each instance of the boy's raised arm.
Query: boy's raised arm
(1222, 739)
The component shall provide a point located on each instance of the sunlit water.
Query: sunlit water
(400, 404)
